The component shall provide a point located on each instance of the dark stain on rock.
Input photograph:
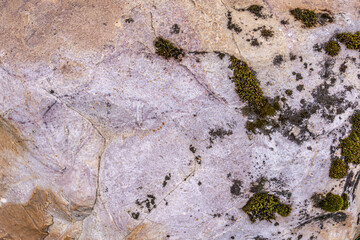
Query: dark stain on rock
(167, 178)
(336, 217)
(258, 186)
(149, 202)
(129, 20)
(235, 189)
(192, 149)
(343, 67)
(300, 87)
(231, 25)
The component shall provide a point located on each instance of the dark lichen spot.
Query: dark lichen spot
(324, 18)
(332, 48)
(278, 59)
(338, 169)
(292, 57)
(300, 87)
(256, 10)
(263, 206)
(52, 91)
(175, 29)
(199, 183)
(317, 47)
(167, 50)
(192, 149)
(284, 22)
(220, 54)
(231, 25)
(135, 215)
(254, 42)
(343, 67)
(167, 178)
(129, 20)
(235, 189)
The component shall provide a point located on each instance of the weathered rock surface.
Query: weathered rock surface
(100, 138)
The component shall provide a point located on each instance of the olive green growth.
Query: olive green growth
(284, 210)
(245, 83)
(267, 33)
(351, 40)
(332, 203)
(345, 199)
(256, 10)
(332, 48)
(350, 146)
(307, 17)
(338, 169)
(167, 50)
(288, 92)
(263, 206)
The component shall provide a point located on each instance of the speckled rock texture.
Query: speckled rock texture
(101, 138)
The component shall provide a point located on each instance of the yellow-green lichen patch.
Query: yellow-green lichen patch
(351, 40)
(167, 50)
(332, 203)
(306, 16)
(245, 83)
(350, 146)
(338, 169)
(332, 48)
(263, 206)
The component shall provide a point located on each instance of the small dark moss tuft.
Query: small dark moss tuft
(167, 50)
(351, 40)
(332, 203)
(338, 169)
(288, 92)
(332, 48)
(345, 199)
(307, 17)
(263, 206)
(267, 33)
(256, 10)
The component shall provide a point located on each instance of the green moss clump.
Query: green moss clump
(307, 17)
(338, 169)
(351, 40)
(345, 199)
(332, 203)
(246, 86)
(332, 48)
(263, 206)
(350, 146)
(167, 50)
(267, 33)
(283, 210)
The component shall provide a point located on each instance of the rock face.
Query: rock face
(101, 138)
